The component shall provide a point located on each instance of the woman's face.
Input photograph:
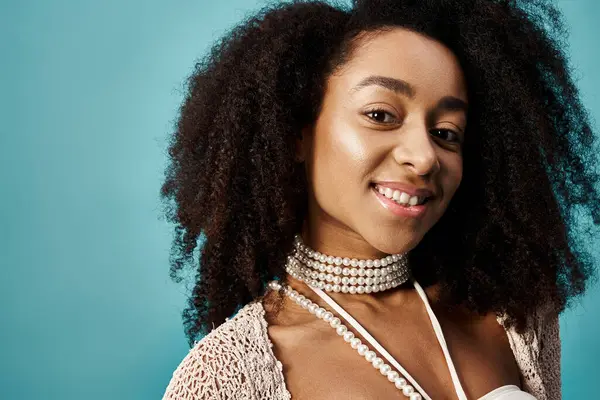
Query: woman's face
(393, 120)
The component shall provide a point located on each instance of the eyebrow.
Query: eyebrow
(399, 86)
(395, 85)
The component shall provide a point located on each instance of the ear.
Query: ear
(302, 144)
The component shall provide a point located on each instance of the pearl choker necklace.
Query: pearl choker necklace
(336, 274)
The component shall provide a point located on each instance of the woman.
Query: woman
(443, 139)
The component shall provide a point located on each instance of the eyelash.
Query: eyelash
(381, 110)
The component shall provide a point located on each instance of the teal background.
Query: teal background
(88, 93)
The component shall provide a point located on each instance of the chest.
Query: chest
(319, 364)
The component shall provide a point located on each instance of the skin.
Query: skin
(414, 137)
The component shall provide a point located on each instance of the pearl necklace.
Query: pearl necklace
(336, 274)
(342, 330)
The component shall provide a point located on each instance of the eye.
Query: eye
(379, 115)
(453, 135)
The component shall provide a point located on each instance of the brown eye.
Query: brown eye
(380, 116)
(446, 134)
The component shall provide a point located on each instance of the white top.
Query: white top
(507, 392)
(236, 361)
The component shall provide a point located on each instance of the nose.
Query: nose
(416, 150)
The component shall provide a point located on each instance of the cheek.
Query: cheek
(341, 162)
(453, 175)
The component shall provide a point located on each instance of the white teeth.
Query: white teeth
(400, 197)
(404, 198)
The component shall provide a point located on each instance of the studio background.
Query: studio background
(89, 91)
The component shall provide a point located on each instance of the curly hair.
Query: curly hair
(506, 244)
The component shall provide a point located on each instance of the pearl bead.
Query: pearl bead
(346, 261)
(352, 289)
(392, 375)
(369, 263)
(354, 343)
(400, 382)
(415, 396)
(360, 290)
(320, 311)
(328, 316)
(377, 263)
(362, 349)
(408, 390)
(384, 369)
(378, 362)
(348, 336)
(274, 285)
(335, 322)
(340, 330)
(354, 262)
(370, 355)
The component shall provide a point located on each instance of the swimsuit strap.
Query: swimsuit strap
(440, 336)
(436, 327)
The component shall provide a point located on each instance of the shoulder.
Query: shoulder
(538, 353)
(548, 348)
(218, 363)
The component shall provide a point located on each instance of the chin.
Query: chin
(401, 242)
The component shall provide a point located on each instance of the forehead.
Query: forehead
(403, 54)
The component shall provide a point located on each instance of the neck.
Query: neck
(376, 298)
(375, 301)
(339, 242)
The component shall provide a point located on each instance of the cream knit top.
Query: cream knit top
(236, 360)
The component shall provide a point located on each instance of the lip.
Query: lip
(405, 187)
(416, 211)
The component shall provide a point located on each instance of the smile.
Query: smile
(400, 203)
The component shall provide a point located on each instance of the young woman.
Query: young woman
(382, 195)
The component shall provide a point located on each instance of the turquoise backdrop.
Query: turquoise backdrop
(88, 93)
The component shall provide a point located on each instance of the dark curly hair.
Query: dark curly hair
(234, 192)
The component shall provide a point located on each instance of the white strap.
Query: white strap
(370, 339)
(440, 336)
(436, 327)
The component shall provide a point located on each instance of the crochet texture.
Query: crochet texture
(236, 360)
